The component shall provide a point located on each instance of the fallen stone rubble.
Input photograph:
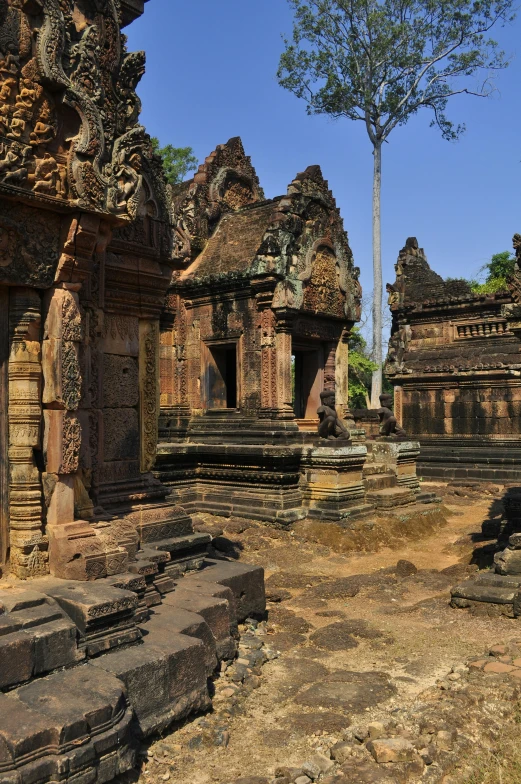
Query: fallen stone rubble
(235, 680)
(426, 741)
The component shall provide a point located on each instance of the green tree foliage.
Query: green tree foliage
(178, 162)
(380, 62)
(360, 371)
(496, 272)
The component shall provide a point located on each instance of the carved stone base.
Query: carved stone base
(257, 481)
(332, 487)
(292, 476)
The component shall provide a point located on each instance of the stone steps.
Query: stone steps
(372, 467)
(214, 610)
(391, 497)
(489, 587)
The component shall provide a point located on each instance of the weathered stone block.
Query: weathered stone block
(59, 497)
(79, 551)
(246, 582)
(63, 319)
(168, 620)
(191, 582)
(68, 723)
(215, 611)
(103, 614)
(508, 562)
(55, 646)
(164, 682)
(392, 750)
(16, 658)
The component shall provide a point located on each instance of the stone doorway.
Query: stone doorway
(308, 379)
(4, 357)
(221, 375)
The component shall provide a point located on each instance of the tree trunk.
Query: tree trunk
(376, 386)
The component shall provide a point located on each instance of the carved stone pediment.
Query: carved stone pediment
(225, 182)
(69, 129)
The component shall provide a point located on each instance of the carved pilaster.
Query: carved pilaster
(330, 366)
(28, 545)
(282, 380)
(180, 364)
(268, 361)
(398, 403)
(62, 392)
(341, 375)
(148, 391)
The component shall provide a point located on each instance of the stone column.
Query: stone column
(282, 380)
(29, 547)
(330, 366)
(341, 375)
(268, 393)
(398, 404)
(61, 398)
(149, 402)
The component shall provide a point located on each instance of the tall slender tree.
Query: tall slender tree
(380, 61)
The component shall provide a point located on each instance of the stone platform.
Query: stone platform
(472, 457)
(296, 475)
(87, 669)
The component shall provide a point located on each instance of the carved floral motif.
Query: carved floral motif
(149, 391)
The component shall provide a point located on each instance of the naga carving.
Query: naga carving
(69, 111)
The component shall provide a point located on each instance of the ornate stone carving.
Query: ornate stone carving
(268, 359)
(61, 365)
(322, 294)
(68, 107)
(388, 423)
(28, 545)
(29, 245)
(71, 438)
(149, 391)
(225, 182)
(330, 425)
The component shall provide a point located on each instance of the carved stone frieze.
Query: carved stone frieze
(29, 245)
(322, 293)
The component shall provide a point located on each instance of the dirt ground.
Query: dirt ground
(361, 637)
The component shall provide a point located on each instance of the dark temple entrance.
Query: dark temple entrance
(4, 357)
(221, 370)
(308, 375)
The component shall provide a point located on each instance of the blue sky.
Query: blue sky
(211, 75)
